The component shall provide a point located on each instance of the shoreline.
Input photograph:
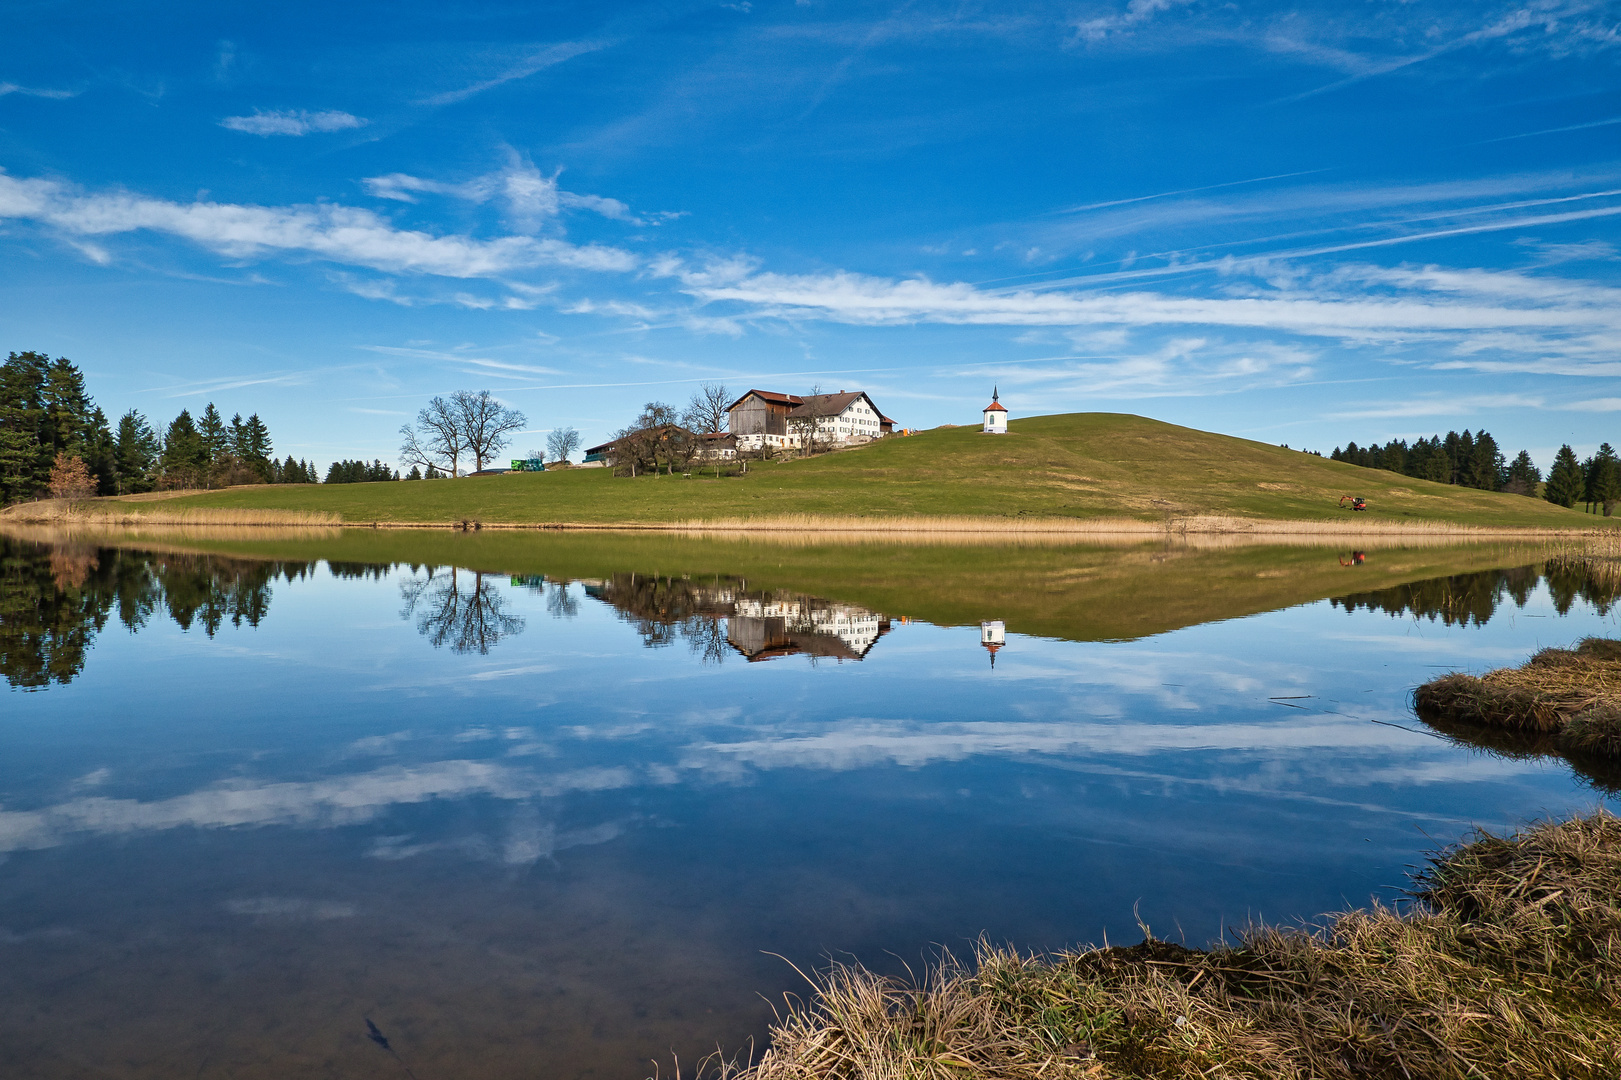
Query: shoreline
(53, 512)
(1501, 964)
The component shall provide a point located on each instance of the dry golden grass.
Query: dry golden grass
(92, 512)
(1508, 965)
(1347, 530)
(1573, 695)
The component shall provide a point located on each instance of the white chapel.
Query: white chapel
(995, 416)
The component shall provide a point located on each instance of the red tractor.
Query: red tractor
(1357, 502)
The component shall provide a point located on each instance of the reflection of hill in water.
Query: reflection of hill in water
(1465, 599)
(723, 613)
(54, 601)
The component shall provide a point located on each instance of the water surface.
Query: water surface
(554, 820)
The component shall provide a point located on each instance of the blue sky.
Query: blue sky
(1296, 223)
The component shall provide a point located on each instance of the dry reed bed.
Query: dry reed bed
(1507, 965)
(1572, 696)
(1348, 530)
(118, 512)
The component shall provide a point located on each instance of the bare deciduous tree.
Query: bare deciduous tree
(436, 440)
(468, 618)
(562, 442)
(486, 424)
(806, 421)
(706, 412)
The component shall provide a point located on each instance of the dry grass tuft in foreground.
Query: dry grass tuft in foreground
(1507, 965)
(63, 512)
(1572, 695)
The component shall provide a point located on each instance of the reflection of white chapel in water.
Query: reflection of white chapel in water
(992, 635)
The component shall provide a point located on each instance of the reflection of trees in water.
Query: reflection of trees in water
(721, 616)
(1458, 600)
(55, 600)
(461, 609)
(1601, 773)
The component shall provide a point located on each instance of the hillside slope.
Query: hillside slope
(1078, 465)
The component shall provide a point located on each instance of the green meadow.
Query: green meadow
(1075, 466)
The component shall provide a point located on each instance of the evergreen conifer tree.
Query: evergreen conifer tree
(1523, 475)
(1484, 469)
(1603, 479)
(215, 440)
(135, 452)
(184, 456)
(24, 466)
(1565, 480)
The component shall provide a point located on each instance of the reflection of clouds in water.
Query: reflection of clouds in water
(290, 909)
(1174, 681)
(861, 743)
(345, 800)
(378, 745)
(528, 840)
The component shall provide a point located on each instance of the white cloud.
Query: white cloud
(1464, 318)
(1136, 13)
(292, 122)
(1451, 406)
(7, 88)
(531, 197)
(337, 233)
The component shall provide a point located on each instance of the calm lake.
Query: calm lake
(564, 806)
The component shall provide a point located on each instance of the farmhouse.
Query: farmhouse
(765, 418)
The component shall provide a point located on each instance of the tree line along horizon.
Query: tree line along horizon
(1473, 459)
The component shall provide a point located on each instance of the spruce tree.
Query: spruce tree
(184, 456)
(1523, 475)
(135, 452)
(1604, 479)
(1484, 469)
(1565, 480)
(24, 465)
(256, 449)
(216, 441)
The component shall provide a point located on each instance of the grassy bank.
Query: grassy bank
(1075, 592)
(1570, 697)
(1507, 965)
(1085, 467)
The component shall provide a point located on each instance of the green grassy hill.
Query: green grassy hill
(1078, 465)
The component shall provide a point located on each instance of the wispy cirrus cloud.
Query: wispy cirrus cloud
(1462, 318)
(340, 234)
(292, 122)
(7, 88)
(537, 61)
(1135, 14)
(530, 196)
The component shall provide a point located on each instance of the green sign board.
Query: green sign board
(533, 464)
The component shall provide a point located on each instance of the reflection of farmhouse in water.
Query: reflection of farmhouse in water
(758, 624)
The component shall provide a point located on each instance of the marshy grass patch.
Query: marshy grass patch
(1569, 696)
(1504, 963)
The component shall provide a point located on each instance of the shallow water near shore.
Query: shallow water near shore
(549, 809)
